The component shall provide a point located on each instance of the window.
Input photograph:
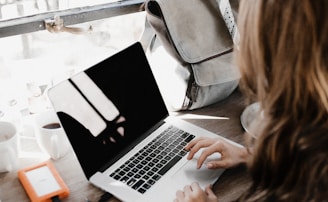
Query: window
(45, 41)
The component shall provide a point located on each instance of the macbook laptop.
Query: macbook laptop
(121, 132)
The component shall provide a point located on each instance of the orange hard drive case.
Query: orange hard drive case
(34, 184)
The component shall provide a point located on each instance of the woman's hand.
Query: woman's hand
(231, 155)
(193, 193)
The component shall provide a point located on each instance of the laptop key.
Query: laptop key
(184, 135)
(182, 152)
(156, 177)
(131, 182)
(138, 184)
(117, 177)
(141, 190)
(124, 179)
(151, 182)
(189, 138)
(171, 163)
(146, 186)
(146, 177)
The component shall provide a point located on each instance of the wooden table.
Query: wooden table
(229, 186)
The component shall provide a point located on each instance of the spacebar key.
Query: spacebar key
(169, 165)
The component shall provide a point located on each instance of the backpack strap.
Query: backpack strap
(228, 17)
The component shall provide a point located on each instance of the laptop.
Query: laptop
(121, 132)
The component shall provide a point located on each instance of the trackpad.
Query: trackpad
(189, 173)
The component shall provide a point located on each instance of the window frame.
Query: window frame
(37, 22)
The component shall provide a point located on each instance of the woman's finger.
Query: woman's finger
(195, 187)
(209, 191)
(197, 145)
(179, 195)
(214, 148)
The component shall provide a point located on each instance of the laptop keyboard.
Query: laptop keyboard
(148, 165)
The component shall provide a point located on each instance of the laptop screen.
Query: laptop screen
(109, 105)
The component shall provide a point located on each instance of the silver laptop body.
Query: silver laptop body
(111, 113)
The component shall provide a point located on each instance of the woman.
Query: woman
(283, 59)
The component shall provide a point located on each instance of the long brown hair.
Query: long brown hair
(283, 60)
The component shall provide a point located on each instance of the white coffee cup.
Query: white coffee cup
(50, 135)
(8, 146)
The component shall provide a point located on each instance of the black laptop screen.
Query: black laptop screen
(126, 80)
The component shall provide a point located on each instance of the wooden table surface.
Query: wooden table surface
(229, 186)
